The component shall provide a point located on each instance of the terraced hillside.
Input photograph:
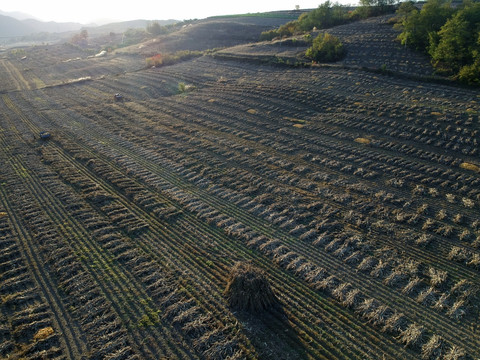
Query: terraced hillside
(370, 44)
(358, 195)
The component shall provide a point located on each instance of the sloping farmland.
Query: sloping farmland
(356, 193)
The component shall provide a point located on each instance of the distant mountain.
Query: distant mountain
(52, 26)
(10, 27)
(119, 27)
(17, 15)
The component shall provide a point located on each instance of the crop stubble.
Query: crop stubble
(154, 199)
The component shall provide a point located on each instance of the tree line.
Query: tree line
(328, 15)
(450, 35)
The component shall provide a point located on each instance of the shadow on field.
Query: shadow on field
(272, 335)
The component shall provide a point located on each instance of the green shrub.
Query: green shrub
(182, 87)
(369, 8)
(269, 35)
(470, 74)
(325, 16)
(326, 48)
(155, 29)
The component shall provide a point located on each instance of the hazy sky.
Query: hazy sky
(85, 11)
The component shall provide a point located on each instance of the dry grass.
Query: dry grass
(396, 323)
(412, 287)
(367, 306)
(353, 298)
(437, 277)
(434, 348)
(443, 302)
(380, 315)
(424, 240)
(458, 310)
(248, 289)
(43, 333)
(412, 336)
(470, 166)
(361, 140)
(455, 353)
(428, 297)
(458, 254)
(316, 275)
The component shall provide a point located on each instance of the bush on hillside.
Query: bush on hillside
(156, 60)
(325, 16)
(369, 8)
(80, 39)
(470, 74)
(326, 48)
(155, 29)
(169, 59)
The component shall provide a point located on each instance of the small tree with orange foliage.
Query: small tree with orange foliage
(155, 60)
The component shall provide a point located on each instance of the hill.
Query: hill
(12, 27)
(214, 32)
(120, 27)
(361, 39)
(51, 26)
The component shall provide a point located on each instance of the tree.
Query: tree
(451, 36)
(370, 8)
(80, 39)
(326, 48)
(84, 34)
(419, 26)
(405, 10)
(456, 44)
(323, 17)
(155, 28)
(377, 2)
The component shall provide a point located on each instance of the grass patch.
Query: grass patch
(297, 121)
(151, 318)
(361, 140)
(183, 88)
(470, 166)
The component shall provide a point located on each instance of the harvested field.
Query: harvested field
(347, 189)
